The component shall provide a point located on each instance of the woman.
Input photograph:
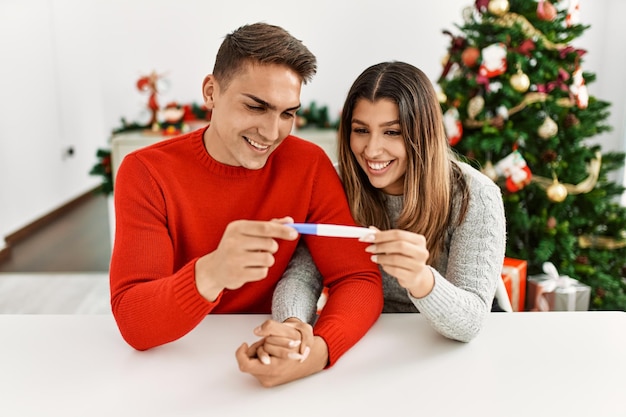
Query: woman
(441, 230)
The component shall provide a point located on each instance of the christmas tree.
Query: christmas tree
(516, 106)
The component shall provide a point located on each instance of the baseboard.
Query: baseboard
(43, 221)
(5, 252)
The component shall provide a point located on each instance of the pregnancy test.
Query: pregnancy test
(330, 230)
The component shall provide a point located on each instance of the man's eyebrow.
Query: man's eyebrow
(268, 105)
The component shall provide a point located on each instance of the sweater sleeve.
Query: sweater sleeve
(459, 302)
(299, 289)
(152, 303)
(355, 296)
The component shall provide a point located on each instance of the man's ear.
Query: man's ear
(209, 86)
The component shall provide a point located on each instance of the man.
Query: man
(200, 218)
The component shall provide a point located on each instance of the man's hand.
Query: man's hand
(280, 370)
(244, 254)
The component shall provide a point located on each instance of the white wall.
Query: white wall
(68, 70)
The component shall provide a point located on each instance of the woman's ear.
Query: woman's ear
(209, 85)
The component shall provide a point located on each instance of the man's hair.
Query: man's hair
(262, 43)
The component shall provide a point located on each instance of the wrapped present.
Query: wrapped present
(553, 292)
(514, 277)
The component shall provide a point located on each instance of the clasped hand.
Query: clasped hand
(286, 351)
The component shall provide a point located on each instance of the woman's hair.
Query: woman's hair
(261, 43)
(431, 173)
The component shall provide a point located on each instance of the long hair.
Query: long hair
(431, 173)
(262, 43)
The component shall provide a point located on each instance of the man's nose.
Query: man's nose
(270, 128)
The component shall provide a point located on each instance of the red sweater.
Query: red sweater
(172, 204)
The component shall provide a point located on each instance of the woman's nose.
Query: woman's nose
(374, 146)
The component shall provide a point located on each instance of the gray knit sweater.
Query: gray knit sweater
(465, 277)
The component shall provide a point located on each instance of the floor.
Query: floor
(77, 241)
(62, 268)
(54, 293)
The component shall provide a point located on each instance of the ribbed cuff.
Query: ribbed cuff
(187, 295)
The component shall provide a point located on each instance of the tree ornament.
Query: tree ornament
(481, 5)
(503, 112)
(556, 192)
(152, 83)
(441, 96)
(551, 223)
(453, 125)
(498, 7)
(520, 81)
(497, 121)
(470, 56)
(549, 156)
(489, 171)
(526, 47)
(474, 106)
(600, 242)
(514, 168)
(579, 89)
(468, 14)
(548, 128)
(171, 119)
(585, 186)
(573, 13)
(546, 11)
(494, 60)
(571, 120)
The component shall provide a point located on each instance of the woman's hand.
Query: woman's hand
(276, 359)
(403, 255)
(291, 339)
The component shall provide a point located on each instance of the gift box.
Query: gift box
(553, 292)
(514, 278)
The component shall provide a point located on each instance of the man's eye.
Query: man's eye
(255, 108)
(289, 115)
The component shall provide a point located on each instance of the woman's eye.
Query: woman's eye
(393, 133)
(359, 130)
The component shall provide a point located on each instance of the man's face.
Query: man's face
(253, 115)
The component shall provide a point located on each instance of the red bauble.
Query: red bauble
(546, 11)
(470, 56)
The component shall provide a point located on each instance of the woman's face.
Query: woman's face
(377, 143)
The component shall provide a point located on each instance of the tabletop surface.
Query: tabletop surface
(521, 364)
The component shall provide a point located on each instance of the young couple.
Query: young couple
(201, 218)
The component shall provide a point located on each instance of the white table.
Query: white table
(522, 364)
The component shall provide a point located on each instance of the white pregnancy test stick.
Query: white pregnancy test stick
(331, 230)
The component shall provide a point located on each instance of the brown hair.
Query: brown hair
(431, 173)
(264, 44)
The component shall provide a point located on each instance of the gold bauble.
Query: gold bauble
(441, 96)
(520, 82)
(475, 106)
(548, 128)
(556, 192)
(498, 7)
(490, 171)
